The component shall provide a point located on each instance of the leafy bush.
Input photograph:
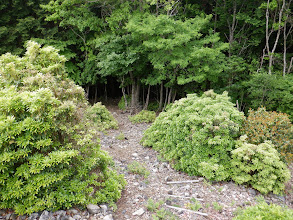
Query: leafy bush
(259, 166)
(265, 212)
(137, 168)
(49, 156)
(262, 125)
(121, 104)
(275, 92)
(143, 116)
(197, 134)
(153, 106)
(102, 118)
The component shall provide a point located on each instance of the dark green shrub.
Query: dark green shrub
(262, 125)
(275, 92)
(121, 104)
(259, 166)
(102, 118)
(197, 134)
(50, 157)
(143, 116)
(264, 211)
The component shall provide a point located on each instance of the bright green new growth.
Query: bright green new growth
(259, 166)
(102, 118)
(137, 168)
(49, 154)
(143, 116)
(121, 104)
(197, 134)
(265, 212)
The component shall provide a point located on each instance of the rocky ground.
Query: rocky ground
(219, 200)
(155, 189)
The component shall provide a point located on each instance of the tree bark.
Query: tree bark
(147, 98)
(166, 98)
(161, 96)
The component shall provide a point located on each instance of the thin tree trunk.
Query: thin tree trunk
(290, 65)
(166, 98)
(96, 93)
(174, 97)
(147, 98)
(169, 97)
(161, 96)
(87, 90)
(106, 94)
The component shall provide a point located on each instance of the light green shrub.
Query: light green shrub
(101, 116)
(137, 168)
(259, 166)
(197, 134)
(263, 211)
(143, 116)
(49, 156)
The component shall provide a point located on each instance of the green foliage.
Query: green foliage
(265, 212)
(143, 116)
(163, 214)
(152, 205)
(259, 166)
(262, 125)
(153, 106)
(102, 118)
(217, 206)
(137, 168)
(120, 136)
(194, 205)
(197, 134)
(50, 157)
(271, 91)
(121, 104)
(160, 213)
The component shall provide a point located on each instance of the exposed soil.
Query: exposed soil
(219, 200)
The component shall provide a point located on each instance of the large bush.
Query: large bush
(262, 125)
(263, 211)
(143, 116)
(49, 155)
(197, 134)
(259, 166)
(101, 116)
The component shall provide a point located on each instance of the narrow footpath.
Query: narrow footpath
(175, 191)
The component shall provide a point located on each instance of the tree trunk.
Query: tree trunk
(161, 97)
(170, 95)
(96, 93)
(134, 93)
(87, 91)
(166, 98)
(147, 98)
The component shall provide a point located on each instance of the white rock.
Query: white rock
(138, 212)
(108, 217)
(135, 154)
(93, 209)
(104, 208)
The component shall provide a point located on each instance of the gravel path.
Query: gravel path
(219, 200)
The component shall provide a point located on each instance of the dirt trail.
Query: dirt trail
(218, 200)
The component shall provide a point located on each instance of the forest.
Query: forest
(156, 51)
(208, 81)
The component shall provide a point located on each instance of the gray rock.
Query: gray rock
(13, 216)
(45, 216)
(252, 191)
(7, 216)
(22, 217)
(77, 217)
(108, 217)
(66, 217)
(60, 213)
(93, 209)
(104, 209)
(138, 212)
(33, 216)
(72, 211)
